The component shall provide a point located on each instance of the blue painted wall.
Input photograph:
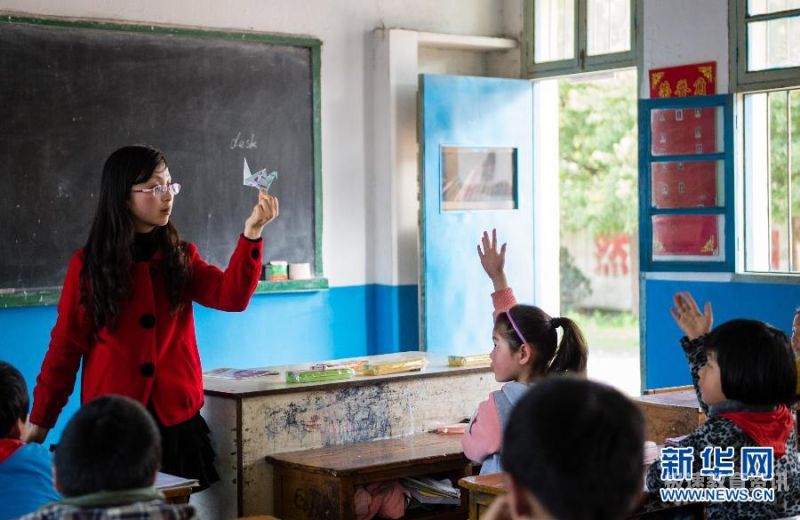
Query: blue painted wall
(664, 362)
(275, 329)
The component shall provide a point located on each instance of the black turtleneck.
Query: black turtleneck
(144, 246)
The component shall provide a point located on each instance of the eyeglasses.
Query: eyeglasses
(161, 189)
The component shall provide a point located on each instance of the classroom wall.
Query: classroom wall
(364, 312)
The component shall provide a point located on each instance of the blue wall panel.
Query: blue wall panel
(664, 362)
(275, 329)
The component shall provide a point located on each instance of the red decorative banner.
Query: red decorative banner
(698, 79)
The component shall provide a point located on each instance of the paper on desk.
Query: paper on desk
(167, 481)
(240, 373)
(261, 179)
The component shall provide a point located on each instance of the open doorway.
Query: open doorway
(599, 221)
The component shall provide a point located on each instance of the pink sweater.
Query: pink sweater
(484, 434)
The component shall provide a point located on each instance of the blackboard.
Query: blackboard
(74, 92)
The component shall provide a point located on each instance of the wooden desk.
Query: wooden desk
(175, 494)
(250, 419)
(671, 413)
(483, 489)
(321, 483)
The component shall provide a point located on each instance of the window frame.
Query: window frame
(582, 62)
(646, 211)
(742, 80)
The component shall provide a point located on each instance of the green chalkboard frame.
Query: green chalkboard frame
(23, 298)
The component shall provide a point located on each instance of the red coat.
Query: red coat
(151, 356)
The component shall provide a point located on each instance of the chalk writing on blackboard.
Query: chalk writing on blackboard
(244, 144)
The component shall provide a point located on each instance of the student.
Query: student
(526, 348)
(745, 377)
(26, 480)
(106, 463)
(796, 344)
(126, 309)
(572, 451)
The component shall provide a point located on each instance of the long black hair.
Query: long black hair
(108, 257)
(539, 331)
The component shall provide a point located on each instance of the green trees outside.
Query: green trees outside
(598, 141)
(598, 166)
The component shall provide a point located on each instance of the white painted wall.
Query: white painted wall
(679, 32)
(348, 58)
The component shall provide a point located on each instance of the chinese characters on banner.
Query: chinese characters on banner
(684, 184)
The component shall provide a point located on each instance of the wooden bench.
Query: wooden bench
(670, 413)
(320, 483)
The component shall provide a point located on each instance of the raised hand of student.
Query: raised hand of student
(264, 212)
(687, 315)
(492, 260)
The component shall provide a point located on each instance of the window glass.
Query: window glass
(554, 31)
(773, 44)
(756, 7)
(609, 28)
(478, 178)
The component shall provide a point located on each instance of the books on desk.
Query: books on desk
(431, 491)
(240, 373)
(165, 481)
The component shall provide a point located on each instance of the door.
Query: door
(476, 146)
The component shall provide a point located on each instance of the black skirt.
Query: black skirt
(186, 451)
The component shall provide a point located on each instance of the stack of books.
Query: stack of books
(431, 491)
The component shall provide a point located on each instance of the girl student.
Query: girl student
(526, 348)
(745, 376)
(126, 309)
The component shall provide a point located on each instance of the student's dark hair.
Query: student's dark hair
(755, 361)
(111, 443)
(14, 401)
(577, 445)
(107, 255)
(540, 332)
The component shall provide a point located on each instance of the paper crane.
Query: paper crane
(261, 179)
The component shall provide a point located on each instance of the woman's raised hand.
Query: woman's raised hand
(264, 212)
(492, 260)
(687, 315)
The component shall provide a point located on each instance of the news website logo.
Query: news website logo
(718, 479)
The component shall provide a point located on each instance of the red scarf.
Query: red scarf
(8, 447)
(770, 429)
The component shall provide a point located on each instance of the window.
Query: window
(573, 36)
(772, 181)
(765, 39)
(686, 188)
(765, 35)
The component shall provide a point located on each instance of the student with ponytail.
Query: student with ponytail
(526, 348)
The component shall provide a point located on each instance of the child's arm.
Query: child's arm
(493, 262)
(695, 325)
(483, 435)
